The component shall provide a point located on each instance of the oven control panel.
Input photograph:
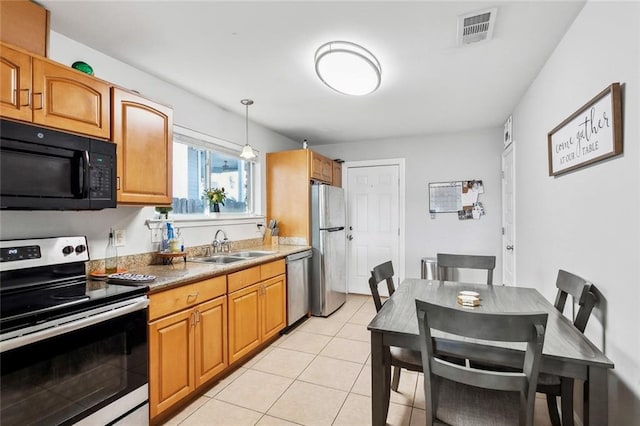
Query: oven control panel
(11, 254)
(28, 253)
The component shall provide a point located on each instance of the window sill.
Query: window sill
(217, 219)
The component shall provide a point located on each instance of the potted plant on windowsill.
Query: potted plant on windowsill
(215, 197)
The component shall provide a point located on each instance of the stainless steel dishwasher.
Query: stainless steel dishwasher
(298, 280)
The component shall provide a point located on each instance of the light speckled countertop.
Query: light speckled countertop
(180, 272)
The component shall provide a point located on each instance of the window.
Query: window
(201, 162)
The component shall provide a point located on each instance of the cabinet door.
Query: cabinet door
(143, 131)
(25, 24)
(288, 192)
(274, 306)
(337, 174)
(171, 366)
(211, 339)
(244, 322)
(321, 168)
(70, 100)
(15, 84)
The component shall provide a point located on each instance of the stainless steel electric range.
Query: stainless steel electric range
(72, 350)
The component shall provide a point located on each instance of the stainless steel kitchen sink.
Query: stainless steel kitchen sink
(252, 253)
(220, 259)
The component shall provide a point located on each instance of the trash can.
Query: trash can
(429, 268)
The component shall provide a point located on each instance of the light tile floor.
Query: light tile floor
(318, 374)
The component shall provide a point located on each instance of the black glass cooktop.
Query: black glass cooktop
(30, 305)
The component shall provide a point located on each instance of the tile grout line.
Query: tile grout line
(290, 384)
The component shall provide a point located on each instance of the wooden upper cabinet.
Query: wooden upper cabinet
(337, 174)
(15, 84)
(143, 132)
(25, 24)
(288, 193)
(321, 168)
(68, 99)
(46, 93)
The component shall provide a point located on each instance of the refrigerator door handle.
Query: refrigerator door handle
(335, 229)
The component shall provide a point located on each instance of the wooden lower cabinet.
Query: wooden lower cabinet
(171, 360)
(211, 340)
(197, 330)
(186, 348)
(244, 321)
(274, 306)
(256, 313)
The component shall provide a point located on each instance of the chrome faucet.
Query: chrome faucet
(218, 245)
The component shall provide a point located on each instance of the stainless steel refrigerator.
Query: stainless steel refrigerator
(329, 244)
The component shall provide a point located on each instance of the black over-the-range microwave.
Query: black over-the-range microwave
(45, 169)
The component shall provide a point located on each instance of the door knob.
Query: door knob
(509, 247)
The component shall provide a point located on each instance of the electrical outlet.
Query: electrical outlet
(119, 237)
(156, 235)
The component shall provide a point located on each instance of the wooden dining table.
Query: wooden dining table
(566, 352)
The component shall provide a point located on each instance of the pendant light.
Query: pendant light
(247, 152)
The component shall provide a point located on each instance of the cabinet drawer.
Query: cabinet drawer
(272, 269)
(185, 296)
(243, 278)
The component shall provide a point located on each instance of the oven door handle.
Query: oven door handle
(73, 322)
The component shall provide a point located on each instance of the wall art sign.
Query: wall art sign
(591, 134)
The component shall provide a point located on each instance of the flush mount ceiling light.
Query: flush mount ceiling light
(247, 152)
(348, 68)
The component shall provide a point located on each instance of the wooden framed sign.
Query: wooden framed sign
(591, 134)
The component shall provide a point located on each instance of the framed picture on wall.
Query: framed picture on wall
(591, 134)
(508, 131)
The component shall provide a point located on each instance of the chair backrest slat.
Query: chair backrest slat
(382, 272)
(446, 262)
(582, 292)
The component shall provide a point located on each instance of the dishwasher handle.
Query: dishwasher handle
(299, 256)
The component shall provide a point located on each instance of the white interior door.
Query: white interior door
(373, 223)
(508, 218)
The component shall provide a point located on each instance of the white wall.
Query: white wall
(190, 111)
(438, 158)
(587, 221)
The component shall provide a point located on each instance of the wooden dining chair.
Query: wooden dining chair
(447, 262)
(400, 357)
(460, 395)
(584, 294)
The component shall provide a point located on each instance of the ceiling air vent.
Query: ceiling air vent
(476, 27)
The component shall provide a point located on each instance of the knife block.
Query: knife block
(270, 240)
